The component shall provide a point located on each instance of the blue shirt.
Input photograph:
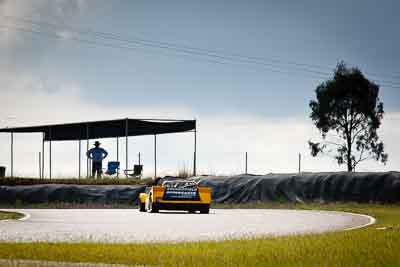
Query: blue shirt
(97, 154)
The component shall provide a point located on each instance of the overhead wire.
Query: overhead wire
(134, 48)
(96, 43)
(208, 55)
(180, 46)
(185, 50)
(144, 41)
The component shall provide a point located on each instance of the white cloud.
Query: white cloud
(273, 144)
(64, 34)
(12, 13)
(68, 7)
(10, 8)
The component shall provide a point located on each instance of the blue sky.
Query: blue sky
(159, 81)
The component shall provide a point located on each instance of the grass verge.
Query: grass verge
(5, 215)
(377, 245)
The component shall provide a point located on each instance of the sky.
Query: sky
(248, 82)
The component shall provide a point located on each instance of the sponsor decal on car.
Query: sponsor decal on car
(181, 194)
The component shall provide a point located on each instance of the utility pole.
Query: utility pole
(12, 155)
(246, 165)
(40, 165)
(299, 162)
(155, 156)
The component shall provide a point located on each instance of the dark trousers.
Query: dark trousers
(97, 167)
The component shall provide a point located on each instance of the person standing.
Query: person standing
(97, 154)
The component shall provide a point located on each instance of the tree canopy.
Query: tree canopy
(348, 113)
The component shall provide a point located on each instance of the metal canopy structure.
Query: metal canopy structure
(104, 129)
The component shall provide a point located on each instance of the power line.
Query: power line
(185, 49)
(134, 48)
(80, 40)
(152, 42)
(96, 43)
(209, 52)
(188, 51)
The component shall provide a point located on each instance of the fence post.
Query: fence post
(299, 162)
(246, 165)
(40, 165)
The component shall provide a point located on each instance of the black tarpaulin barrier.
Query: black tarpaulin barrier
(106, 129)
(63, 193)
(305, 187)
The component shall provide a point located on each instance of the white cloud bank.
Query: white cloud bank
(273, 144)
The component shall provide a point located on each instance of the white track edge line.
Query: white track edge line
(26, 216)
(372, 220)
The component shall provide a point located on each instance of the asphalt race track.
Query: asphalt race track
(128, 225)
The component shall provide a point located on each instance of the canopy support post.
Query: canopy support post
(50, 158)
(299, 163)
(12, 155)
(118, 154)
(40, 165)
(79, 158)
(126, 143)
(245, 169)
(87, 149)
(195, 153)
(43, 155)
(155, 156)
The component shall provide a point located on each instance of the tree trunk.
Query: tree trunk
(348, 156)
(349, 167)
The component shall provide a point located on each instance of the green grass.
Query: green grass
(362, 248)
(5, 215)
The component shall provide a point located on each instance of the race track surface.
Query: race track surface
(128, 225)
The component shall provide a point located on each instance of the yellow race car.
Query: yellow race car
(176, 195)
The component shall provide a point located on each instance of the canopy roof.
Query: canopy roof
(106, 129)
